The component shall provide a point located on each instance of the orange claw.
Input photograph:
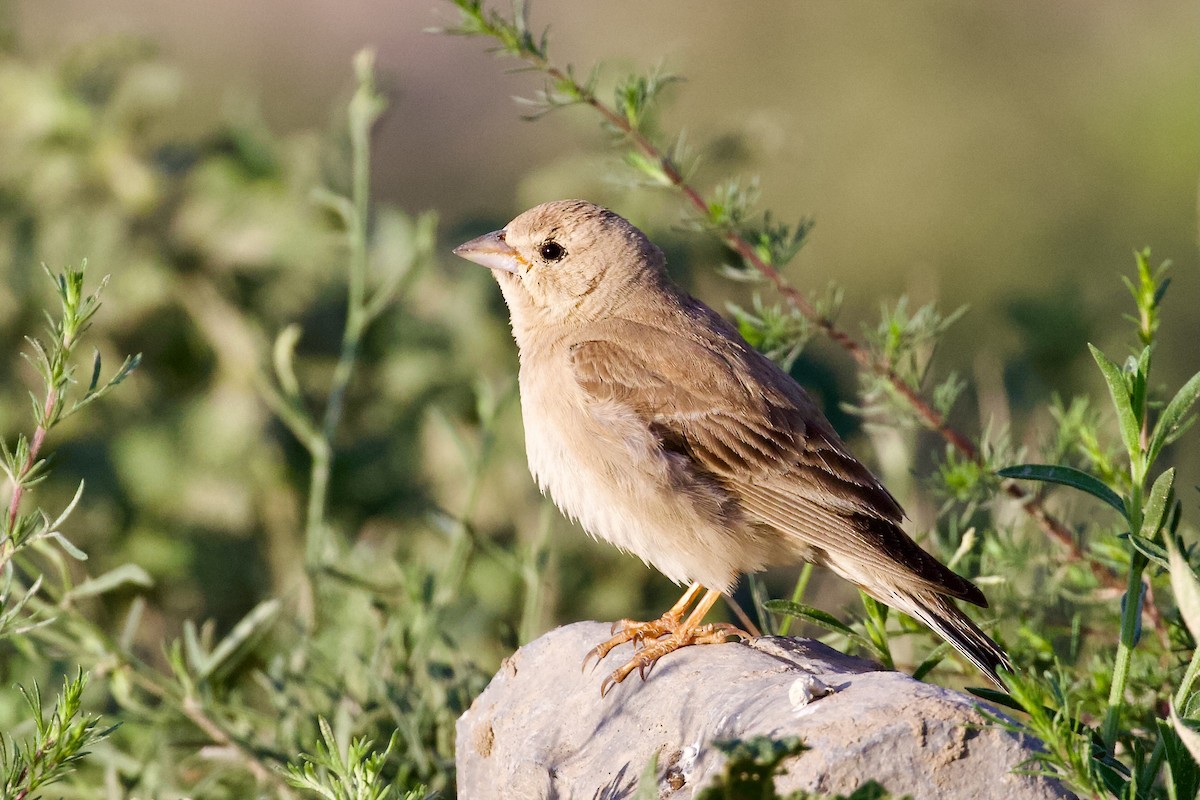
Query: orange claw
(644, 660)
(668, 633)
(627, 630)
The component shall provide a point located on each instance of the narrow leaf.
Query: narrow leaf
(1189, 735)
(875, 609)
(1156, 504)
(1138, 370)
(823, 619)
(95, 381)
(1186, 588)
(1180, 430)
(1118, 389)
(73, 551)
(1067, 476)
(811, 614)
(1174, 416)
(66, 512)
(12, 608)
(1162, 290)
(283, 355)
(1185, 777)
(225, 655)
(1151, 550)
(133, 621)
(998, 697)
(647, 784)
(114, 578)
(193, 651)
(934, 658)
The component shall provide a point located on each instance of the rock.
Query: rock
(541, 729)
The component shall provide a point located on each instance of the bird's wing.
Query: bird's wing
(744, 422)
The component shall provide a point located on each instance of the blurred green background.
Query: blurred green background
(1004, 156)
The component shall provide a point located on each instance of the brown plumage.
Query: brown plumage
(652, 422)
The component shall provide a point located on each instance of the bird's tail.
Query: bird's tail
(955, 627)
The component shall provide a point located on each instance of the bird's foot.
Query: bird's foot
(668, 633)
(644, 659)
(627, 630)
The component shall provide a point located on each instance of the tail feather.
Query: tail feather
(940, 614)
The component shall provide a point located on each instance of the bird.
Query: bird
(651, 422)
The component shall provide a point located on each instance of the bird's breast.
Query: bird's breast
(583, 453)
(605, 469)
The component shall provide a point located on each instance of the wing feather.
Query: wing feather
(746, 424)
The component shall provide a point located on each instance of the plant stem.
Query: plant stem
(797, 595)
(450, 578)
(318, 490)
(532, 577)
(7, 544)
(1134, 590)
(321, 447)
(356, 295)
(1120, 678)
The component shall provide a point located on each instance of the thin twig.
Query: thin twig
(220, 737)
(743, 617)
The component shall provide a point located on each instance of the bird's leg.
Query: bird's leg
(627, 630)
(683, 633)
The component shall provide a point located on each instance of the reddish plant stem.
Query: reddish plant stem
(193, 710)
(14, 503)
(934, 420)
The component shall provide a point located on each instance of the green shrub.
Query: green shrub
(318, 455)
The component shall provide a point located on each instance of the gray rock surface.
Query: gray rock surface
(541, 729)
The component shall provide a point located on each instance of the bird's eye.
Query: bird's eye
(551, 250)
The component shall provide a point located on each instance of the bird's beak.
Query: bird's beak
(491, 251)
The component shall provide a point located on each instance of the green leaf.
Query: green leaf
(934, 658)
(1185, 777)
(1138, 371)
(193, 650)
(1156, 504)
(1162, 290)
(71, 550)
(66, 512)
(133, 620)
(647, 785)
(1189, 735)
(1067, 476)
(822, 619)
(101, 584)
(998, 698)
(875, 609)
(1118, 389)
(875, 625)
(810, 614)
(1151, 550)
(1186, 588)
(751, 766)
(227, 654)
(1173, 421)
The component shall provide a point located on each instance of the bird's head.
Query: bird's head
(568, 259)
